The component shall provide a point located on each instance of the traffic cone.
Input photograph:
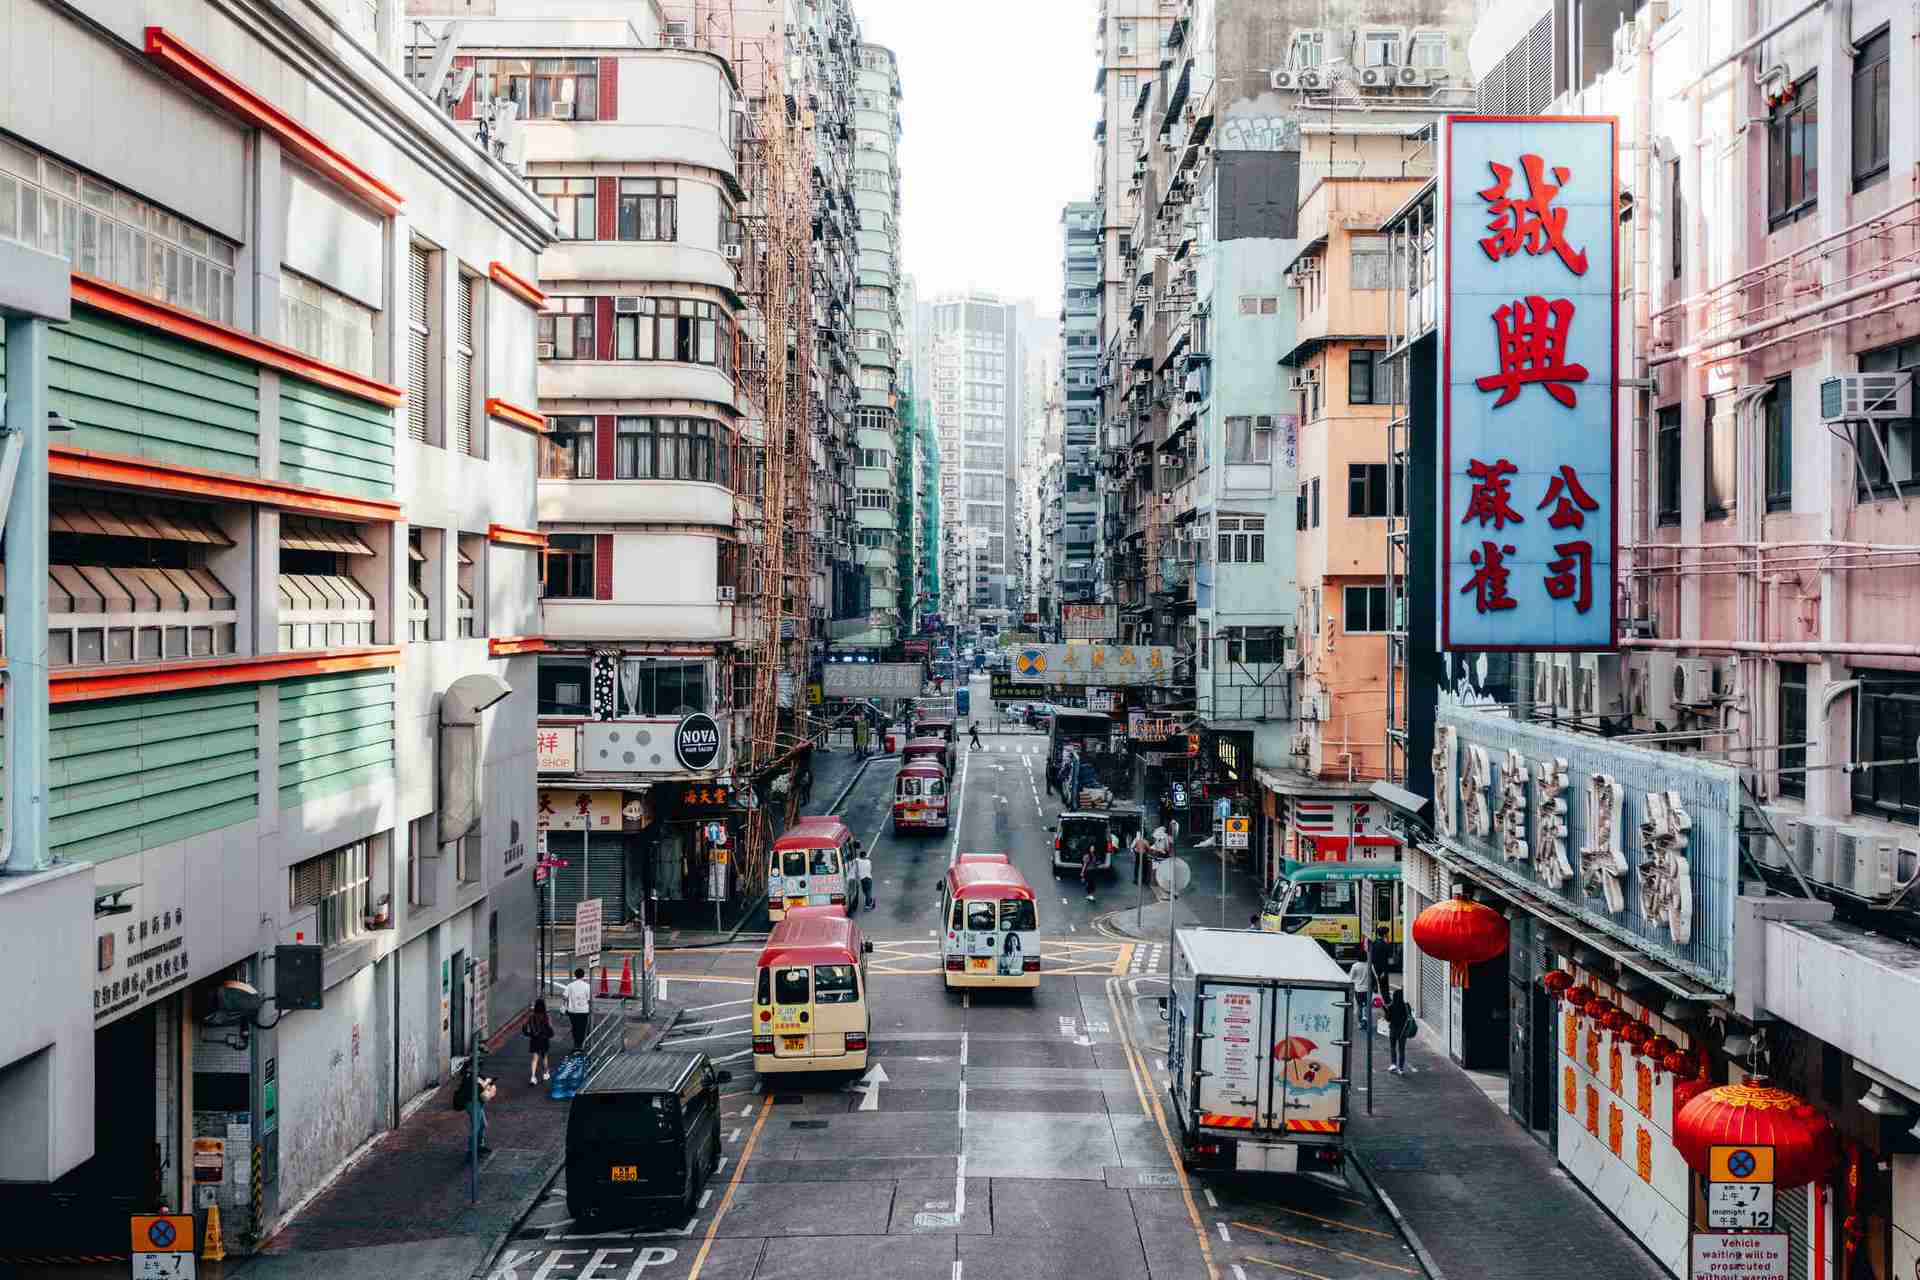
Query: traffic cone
(213, 1248)
(603, 980)
(626, 976)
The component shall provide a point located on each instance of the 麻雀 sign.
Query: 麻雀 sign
(1527, 383)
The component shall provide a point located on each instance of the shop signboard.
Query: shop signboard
(695, 743)
(566, 810)
(556, 748)
(1740, 1255)
(1004, 686)
(141, 951)
(1084, 663)
(1089, 621)
(1638, 844)
(1100, 700)
(1529, 343)
(871, 679)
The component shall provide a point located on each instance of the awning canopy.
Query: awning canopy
(299, 533)
(87, 512)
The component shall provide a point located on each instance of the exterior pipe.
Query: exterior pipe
(1831, 648)
(1749, 47)
(1802, 313)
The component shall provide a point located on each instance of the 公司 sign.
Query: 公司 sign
(1528, 398)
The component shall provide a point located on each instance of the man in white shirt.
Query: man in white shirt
(863, 872)
(579, 1006)
(1361, 976)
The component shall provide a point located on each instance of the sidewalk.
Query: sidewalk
(1198, 907)
(1475, 1195)
(402, 1209)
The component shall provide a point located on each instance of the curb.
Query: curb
(858, 773)
(1427, 1264)
(497, 1245)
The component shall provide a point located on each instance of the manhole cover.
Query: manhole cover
(808, 1124)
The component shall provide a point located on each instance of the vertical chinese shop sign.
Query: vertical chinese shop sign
(1529, 353)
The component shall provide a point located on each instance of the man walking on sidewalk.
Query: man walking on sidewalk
(579, 1007)
(1360, 976)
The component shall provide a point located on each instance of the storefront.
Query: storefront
(599, 835)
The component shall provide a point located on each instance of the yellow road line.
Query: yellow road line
(733, 1184)
(1149, 1101)
(1334, 1222)
(1327, 1248)
(1281, 1266)
(1123, 961)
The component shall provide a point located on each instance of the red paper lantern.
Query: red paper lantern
(1462, 933)
(1556, 982)
(1681, 1066)
(1616, 1020)
(1804, 1144)
(1657, 1047)
(1685, 1091)
(1639, 1035)
(1598, 1008)
(1579, 995)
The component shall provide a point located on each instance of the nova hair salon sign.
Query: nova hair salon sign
(1641, 844)
(696, 742)
(1529, 426)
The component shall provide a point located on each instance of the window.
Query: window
(423, 580)
(1429, 50)
(1718, 440)
(326, 325)
(322, 603)
(1676, 222)
(1123, 33)
(681, 329)
(1777, 405)
(1666, 465)
(672, 449)
(563, 686)
(1313, 504)
(1250, 439)
(1380, 48)
(572, 202)
(564, 330)
(1897, 438)
(1300, 511)
(1793, 156)
(1372, 259)
(1365, 612)
(420, 362)
(421, 872)
(834, 984)
(1887, 721)
(107, 233)
(1309, 49)
(1243, 539)
(470, 604)
(543, 88)
(566, 450)
(1129, 83)
(469, 434)
(1793, 728)
(1367, 491)
(334, 887)
(466, 859)
(567, 567)
(1872, 109)
(648, 209)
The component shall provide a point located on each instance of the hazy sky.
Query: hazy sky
(997, 119)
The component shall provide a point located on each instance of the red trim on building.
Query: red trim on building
(516, 284)
(514, 416)
(463, 109)
(606, 194)
(194, 70)
(603, 446)
(506, 535)
(91, 684)
(116, 300)
(603, 326)
(609, 88)
(603, 566)
(507, 646)
(174, 480)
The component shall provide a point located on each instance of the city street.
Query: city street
(998, 1134)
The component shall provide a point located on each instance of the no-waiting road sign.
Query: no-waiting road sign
(163, 1247)
(1237, 833)
(1744, 1163)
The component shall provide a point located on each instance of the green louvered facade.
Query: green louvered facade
(336, 732)
(333, 441)
(130, 774)
(130, 390)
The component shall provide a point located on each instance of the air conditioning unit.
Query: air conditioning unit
(1606, 684)
(1280, 79)
(1863, 861)
(676, 34)
(543, 351)
(1310, 79)
(626, 306)
(1775, 854)
(1585, 697)
(1436, 76)
(1866, 397)
(1563, 684)
(725, 594)
(731, 252)
(1377, 77)
(1693, 682)
(562, 111)
(1409, 76)
(1542, 689)
(1818, 841)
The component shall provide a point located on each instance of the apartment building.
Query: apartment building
(1751, 711)
(1250, 109)
(291, 563)
(877, 475)
(1076, 567)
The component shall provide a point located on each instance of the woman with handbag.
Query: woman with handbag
(538, 1029)
(1400, 1028)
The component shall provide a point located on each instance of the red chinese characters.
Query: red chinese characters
(1488, 584)
(1531, 336)
(1572, 501)
(1529, 224)
(1491, 501)
(1571, 576)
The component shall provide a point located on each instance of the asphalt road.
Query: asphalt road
(1001, 1136)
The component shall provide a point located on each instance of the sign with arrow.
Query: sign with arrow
(869, 1084)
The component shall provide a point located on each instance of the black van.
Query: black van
(643, 1137)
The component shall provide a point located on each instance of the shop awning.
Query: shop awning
(298, 533)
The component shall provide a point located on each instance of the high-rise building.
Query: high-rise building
(980, 394)
(1076, 566)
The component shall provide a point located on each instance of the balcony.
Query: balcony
(634, 502)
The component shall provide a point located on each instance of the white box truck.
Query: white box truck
(1258, 1050)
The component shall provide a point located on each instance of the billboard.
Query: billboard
(1089, 621)
(872, 679)
(1528, 396)
(1059, 665)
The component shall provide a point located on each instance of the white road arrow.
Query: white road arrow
(870, 1085)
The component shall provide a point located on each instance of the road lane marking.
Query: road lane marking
(735, 1135)
(1281, 1266)
(726, 1202)
(1224, 1237)
(1326, 1248)
(719, 1004)
(1150, 1105)
(1211, 1202)
(960, 815)
(706, 1196)
(1335, 1222)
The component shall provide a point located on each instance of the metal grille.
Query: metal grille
(1539, 84)
(463, 370)
(419, 342)
(308, 881)
(1791, 1215)
(1432, 977)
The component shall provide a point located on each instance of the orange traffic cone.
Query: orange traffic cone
(626, 977)
(603, 980)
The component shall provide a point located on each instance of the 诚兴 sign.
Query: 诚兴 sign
(1089, 621)
(871, 679)
(1527, 382)
(1745, 1255)
(556, 748)
(1092, 664)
